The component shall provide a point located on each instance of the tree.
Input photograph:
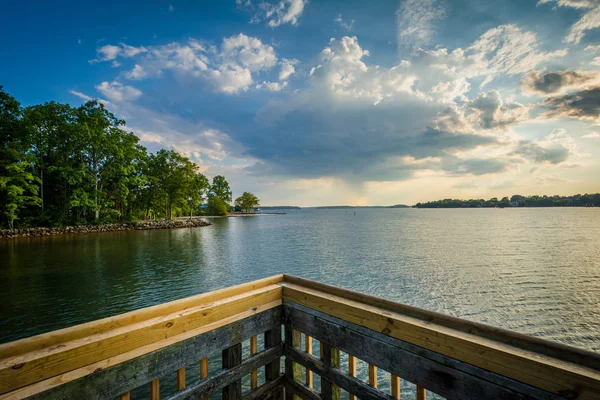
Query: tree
(220, 188)
(216, 206)
(247, 201)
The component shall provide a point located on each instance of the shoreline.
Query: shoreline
(87, 229)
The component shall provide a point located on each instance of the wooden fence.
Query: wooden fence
(454, 358)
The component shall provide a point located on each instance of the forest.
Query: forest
(62, 165)
(578, 200)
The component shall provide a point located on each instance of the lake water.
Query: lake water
(536, 271)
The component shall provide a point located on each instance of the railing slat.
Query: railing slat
(232, 357)
(253, 374)
(331, 358)
(267, 390)
(181, 378)
(292, 369)
(273, 369)
(309, 374)
(204, 372)
(395, 386)
(373, 375)
(155, 390)
(125, 396)
(421, 393)
(352, 372)
(300, 390)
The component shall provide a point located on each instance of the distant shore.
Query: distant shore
(86, 229)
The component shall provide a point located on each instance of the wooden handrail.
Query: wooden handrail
(340, 319)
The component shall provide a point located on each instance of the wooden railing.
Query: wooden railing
(327, 331)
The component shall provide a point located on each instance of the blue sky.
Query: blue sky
(333, 102)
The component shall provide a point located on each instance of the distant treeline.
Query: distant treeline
(61, 165)
(578, 200)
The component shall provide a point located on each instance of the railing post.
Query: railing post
(273, 369)
(232, 357)
(292, 370)
(253, 374)
(309, 374)
(204, 372)
(330, 356)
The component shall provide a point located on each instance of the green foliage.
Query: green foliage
(220, 188)
(61, 165)
(516, 200)
(247, 202)
(216, 206)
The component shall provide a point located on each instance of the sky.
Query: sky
(333, 102)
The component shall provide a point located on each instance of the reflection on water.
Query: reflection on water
(536, 271)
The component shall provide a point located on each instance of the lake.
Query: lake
(536, 271)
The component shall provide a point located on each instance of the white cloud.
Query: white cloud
(416, 21)
(136, 73)
(171, 8)
(88, 98)
(590, 20)
(230, 78)
(572, 3)
(544, 83)
(272, 86)
(344, 24)
(287, 69)
(118, 92)
(249, 52)
(282, 12)
(109, 52)
(593, 135)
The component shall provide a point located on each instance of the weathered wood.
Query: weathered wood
(395, 384)
(331, 358)
(204, 372)
(267, 390)
(300, 390)
(335, 376)
(272, 338)
(227, 377)
(544, 347)
(22, 370)
(111, 382)
(181, 378)
(549, 374)
(292, 369)
(232, 357)
(61, 336)
(308, 372)
(352, 372)
(253, 374)
(373, 375)
(441, 374)
(421, 393)
(155, 390)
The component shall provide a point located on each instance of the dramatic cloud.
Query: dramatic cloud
(344, 24)
(590, 20)
(118, 92)
(584, 104)
(229, 69)
(572, 3)
(416, 21)
(556, 148)
(276, 14)
(537, 82)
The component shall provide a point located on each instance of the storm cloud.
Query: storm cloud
(536, 82)
(584, 104)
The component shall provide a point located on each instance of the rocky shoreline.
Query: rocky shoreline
(85, 229)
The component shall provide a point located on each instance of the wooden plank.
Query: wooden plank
(395, 384)
(232, 357)
(229, 376)
(331, 358)
(253, 374)
(32, 367)
(155, 390)
(335, 376)
(549, 374)
(538, 345)
(273, 369)
(308, 372)
(125, 396)
(61, 336)
(293, 370)
(421, 393)
(181, 378)
(441, 374)
(267, 390)
(373, 375)
(352, 372)
(109, 379)
(300, 390)
(204, 372)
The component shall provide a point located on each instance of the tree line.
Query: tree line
(578, 200)
(63, 165)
